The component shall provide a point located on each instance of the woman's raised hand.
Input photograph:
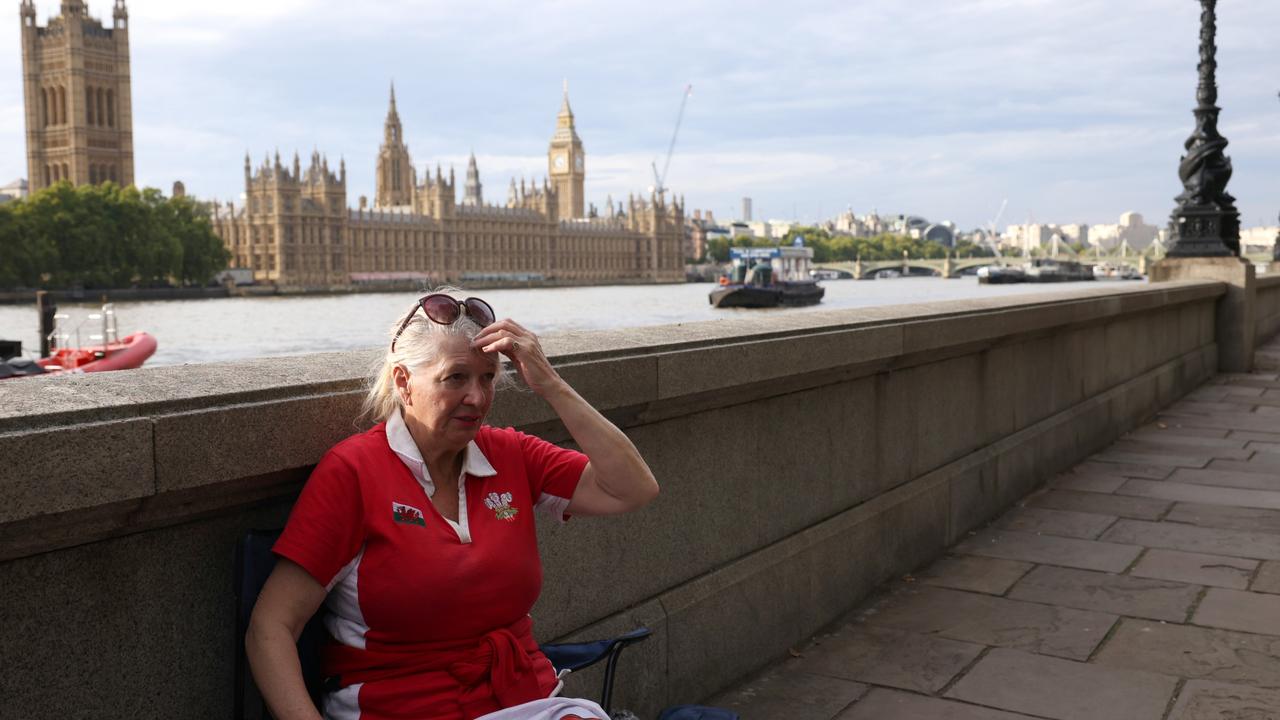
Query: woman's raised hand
(521, 346)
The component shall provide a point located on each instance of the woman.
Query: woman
(419, 536)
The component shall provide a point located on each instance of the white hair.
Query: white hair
(417, 346)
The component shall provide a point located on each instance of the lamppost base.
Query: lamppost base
(1205, 232)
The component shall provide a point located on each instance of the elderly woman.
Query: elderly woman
(419, 534)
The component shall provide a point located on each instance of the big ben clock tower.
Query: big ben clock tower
(567, 163)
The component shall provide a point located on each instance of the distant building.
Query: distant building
(15, 190)
(1252, 240)
(76, 91)
(701, 229)
(746, 209)
(295, 228)
(1130, 232)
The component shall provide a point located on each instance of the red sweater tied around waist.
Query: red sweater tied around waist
(496, 671)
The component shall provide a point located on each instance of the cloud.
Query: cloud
(1076, 111)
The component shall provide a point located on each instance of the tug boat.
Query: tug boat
(1039, 270)
(768, 277)
(113, 353)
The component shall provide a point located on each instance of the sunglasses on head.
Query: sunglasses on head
(445, 310)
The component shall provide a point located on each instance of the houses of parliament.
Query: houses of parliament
(294, 226)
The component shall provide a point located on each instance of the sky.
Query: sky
(1071, 110)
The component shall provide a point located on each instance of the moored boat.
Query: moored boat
(1039, 270)
(112, 353)
(767, 277)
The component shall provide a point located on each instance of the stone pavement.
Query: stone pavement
(1144, 584)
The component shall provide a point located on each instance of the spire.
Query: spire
(393, 132)
(565, 110)
(473, 194)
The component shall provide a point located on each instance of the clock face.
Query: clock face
(577, 163)
(560, 162)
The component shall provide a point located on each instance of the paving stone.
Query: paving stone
(1067, 523)
(882, 704)
(1087, 483)
(1242, 391)
(884, 656)
(990, 620)
(1149, 459)
(1062, 689)
(1255, 436)
(1193, 652)
(1239, 610)
(1203, 700)
(1183, 440)
(1102, 592)
(1226, 478)
(784, 692)
(1205, 494)
(974, 573)
(1222, 449)
(1203, 408)
(1174, 430)
(1150, 471)
(1189, 538)
(1264, 462)
(1130, 507)
(1071, 552)
(1214, 393)
(1198, 568)
(1263, 447)
(1254, 518)
(1268, 578)
(1233, 421)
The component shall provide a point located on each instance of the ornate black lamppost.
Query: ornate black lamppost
(1206, 222)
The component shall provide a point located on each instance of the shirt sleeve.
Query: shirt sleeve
(326, 526)
(553, 474)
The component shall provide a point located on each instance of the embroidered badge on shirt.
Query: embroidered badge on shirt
(407, 514)
(501, 506)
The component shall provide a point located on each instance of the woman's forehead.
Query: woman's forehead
(457, 350)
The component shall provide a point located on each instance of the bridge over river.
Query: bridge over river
(806, 459)
(952, 267)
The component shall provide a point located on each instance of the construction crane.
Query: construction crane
(659, 179)
(991, 227)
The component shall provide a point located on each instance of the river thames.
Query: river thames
(190, 331)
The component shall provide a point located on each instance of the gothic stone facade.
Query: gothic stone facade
(296, 229)
(76, 88)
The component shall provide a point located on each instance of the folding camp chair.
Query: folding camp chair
(254, 562)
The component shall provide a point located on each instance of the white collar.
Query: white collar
(401, 442)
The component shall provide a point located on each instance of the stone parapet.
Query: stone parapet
(1237, 330)
(1267, 307)
(804, 458)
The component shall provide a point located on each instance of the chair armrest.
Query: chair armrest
(576, 656)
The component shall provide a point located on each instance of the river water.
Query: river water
(190, 331)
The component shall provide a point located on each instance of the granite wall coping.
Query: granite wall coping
(32, 403)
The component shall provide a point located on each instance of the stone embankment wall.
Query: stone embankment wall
(1267, 307)
(804, 458)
